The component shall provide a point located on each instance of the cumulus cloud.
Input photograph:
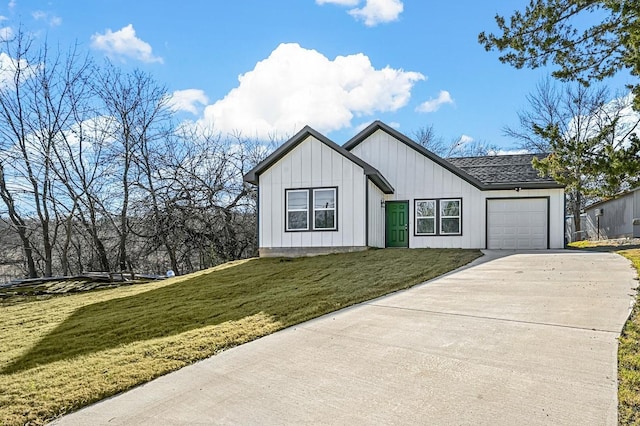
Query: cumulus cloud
(433, 105)
(373, 12)
(295, 86)
(124, 44)
(188, 100)
(376, 12)
(8, 68)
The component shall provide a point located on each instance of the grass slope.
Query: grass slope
(64, 353)
(629, 359)
(629, 342)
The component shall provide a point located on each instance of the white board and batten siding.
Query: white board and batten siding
(415, 176)
(376, 216)
(313, 164)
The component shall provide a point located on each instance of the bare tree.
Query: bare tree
(135, 107)
(582, 132)
(36, 101)
(459, 147)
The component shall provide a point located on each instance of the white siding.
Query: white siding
(313, 164)
(415, 176)
(556, 209)
(376, 216)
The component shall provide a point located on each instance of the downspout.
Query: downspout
(564, 221)
(258, 217)
(366, 211)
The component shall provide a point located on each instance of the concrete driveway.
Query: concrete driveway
(526, 338)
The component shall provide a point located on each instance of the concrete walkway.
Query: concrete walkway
(526, 338)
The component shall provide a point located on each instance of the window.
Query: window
(324, 209)
(438, 217)
(312, 209)
(297, 210)
(450, 217)
(425, 217)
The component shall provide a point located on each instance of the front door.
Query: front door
(397, 223)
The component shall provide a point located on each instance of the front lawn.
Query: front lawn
(66, 352)
(629, 342)
(629, 359)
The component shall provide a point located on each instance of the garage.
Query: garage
(518, 223)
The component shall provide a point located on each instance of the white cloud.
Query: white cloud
(124, 44)
(187, 100)
(376, 12)
(373, 12)
(12, 4)
(8, 68)
(6, 33)
(52, 20)
(349, 3)
(296, 86)
(509, 152)
(433, 105)
(465, 139)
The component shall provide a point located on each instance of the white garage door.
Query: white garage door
(517, 224)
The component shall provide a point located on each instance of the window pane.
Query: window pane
(426, 226)
(425, 208)
(297, 220)
(324, 199)
(297, 200)
(325, 219)
(450, 226)
(450, 208)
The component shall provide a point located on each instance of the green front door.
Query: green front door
(397, 223)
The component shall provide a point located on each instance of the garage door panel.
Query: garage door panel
(517, 224)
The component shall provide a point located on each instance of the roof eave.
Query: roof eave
(522, 185)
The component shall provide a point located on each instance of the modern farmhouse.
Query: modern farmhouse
(382, 189)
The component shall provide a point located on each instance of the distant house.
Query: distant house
(382, 189)
(615, 218)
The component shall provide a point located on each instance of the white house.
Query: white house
(381, 189)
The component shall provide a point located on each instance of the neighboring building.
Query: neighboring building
(615, 218)
(381, 189)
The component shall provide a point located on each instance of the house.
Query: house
(618, 217)
(382, 189)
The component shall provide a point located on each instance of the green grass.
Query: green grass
(628, 344)
(629, 359)
(60, 354)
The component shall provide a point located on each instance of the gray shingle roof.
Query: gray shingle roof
(502, 169)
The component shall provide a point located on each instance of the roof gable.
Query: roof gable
(371, 172)
(378, 125)
(485, 173)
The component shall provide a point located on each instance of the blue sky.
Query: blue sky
(336, 65)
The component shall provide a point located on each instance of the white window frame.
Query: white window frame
(306, 210)
(435, 212)
(321, 209)
(442, 216)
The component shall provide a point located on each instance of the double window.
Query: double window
(438, 217)
(311, 209)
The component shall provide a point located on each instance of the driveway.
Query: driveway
(525, 338)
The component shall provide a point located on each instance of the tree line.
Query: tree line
(97, 175)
